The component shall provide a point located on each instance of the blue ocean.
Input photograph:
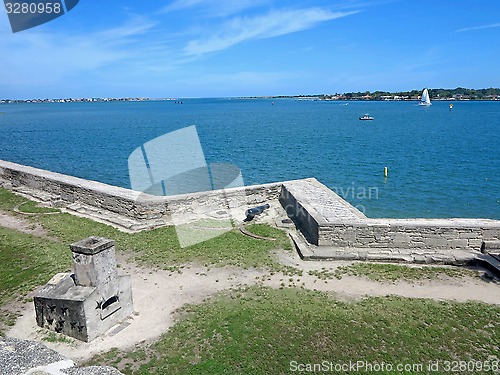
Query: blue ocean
(441, 162)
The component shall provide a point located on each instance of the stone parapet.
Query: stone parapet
(325, 219)
(128, 209)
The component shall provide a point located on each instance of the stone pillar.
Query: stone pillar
(95, 264)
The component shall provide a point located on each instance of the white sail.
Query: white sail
(426, 100)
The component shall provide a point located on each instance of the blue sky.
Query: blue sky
(208, 48)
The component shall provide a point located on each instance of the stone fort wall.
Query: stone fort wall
(325, 219)
(124, 207)
(322, 216)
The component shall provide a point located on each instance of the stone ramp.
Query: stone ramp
(312, 206)
(490, 257)
(490, 262)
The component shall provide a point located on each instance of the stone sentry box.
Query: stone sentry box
(86, 303)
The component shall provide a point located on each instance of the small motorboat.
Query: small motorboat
(366, 117)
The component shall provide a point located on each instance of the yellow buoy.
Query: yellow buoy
(386, 171)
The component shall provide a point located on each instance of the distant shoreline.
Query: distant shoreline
(457, 94)
(299, 98)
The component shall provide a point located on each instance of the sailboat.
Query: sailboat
(426, 100)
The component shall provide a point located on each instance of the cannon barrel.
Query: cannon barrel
(252, 212)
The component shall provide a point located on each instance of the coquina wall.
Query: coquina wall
(325, 219)
(435, 234)
(123, 207)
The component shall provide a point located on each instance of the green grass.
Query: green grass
(33, 208)
(26, 262)
(256, 330)
(57, 337)
(160, 247)
(9, 200)
(383, 272)
(260, 330)
(396, 272)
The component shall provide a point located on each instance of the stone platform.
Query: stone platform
(330, 228)
(308, 251)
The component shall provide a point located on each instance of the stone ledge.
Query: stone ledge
(311, 252)
(323, 217)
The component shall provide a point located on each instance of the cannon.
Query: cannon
(252, 212)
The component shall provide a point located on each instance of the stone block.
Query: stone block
(490, 247)
(469, 234)
(442, 258)
(492, 234)
(436, 243)
(475, 244)
(458, 243)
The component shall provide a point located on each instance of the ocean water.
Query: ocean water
(441, 163)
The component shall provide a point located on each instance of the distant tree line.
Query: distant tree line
(457, 93)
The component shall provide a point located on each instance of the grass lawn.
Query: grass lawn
(261, 331)
(160, 247)
(26, 262)
(257, 330)
(395, 272)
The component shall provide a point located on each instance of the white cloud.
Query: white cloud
(276, 23)
(40, 59)
(136, 26)
(181, 4)
(479, 27)
(212, 8)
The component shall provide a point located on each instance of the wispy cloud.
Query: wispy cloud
(490, 26)
(221, 8)
(276, 23)
(51, 58)
(181, 4)
(157, 51)
(137, 25)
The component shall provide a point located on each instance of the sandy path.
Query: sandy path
(21, 225)
(158, 294)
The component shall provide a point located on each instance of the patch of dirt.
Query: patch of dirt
(158, 294)
(22, 225)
